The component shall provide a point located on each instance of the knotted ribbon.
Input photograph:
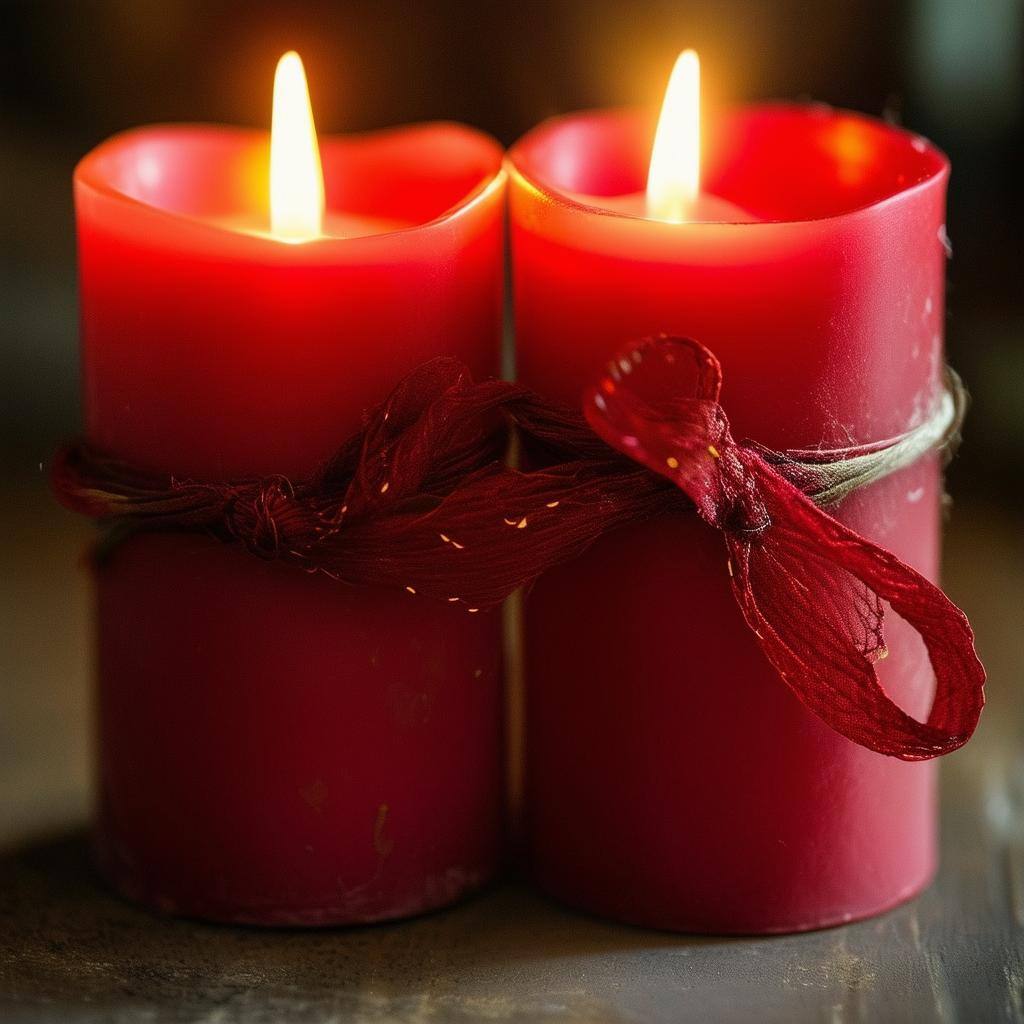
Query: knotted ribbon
(423, 498)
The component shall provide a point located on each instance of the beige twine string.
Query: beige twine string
(837, 472)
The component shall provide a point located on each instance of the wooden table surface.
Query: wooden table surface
(72, 952)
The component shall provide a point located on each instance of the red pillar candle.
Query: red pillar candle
(673, 779)
(274, 747)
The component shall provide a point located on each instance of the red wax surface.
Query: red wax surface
(275, 747)
(673, 779)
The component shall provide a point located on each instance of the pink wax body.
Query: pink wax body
(274, 747)
(673, 779)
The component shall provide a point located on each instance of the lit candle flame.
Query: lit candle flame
(296, 177)
(673, 181)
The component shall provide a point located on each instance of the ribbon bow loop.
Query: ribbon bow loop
(812, 591)
(658, 405)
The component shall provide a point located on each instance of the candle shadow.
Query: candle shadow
(69, 941)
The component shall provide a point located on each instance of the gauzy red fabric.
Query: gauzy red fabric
(423, 499)
(812, 590)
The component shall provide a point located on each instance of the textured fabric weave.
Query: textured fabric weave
(423, 498)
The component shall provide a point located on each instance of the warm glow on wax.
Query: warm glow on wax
(673, 181)
(296, 178)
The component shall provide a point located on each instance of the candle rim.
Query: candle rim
(570, 201)
(88, 175)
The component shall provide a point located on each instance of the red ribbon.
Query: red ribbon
(422, 499)
(812, 590)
